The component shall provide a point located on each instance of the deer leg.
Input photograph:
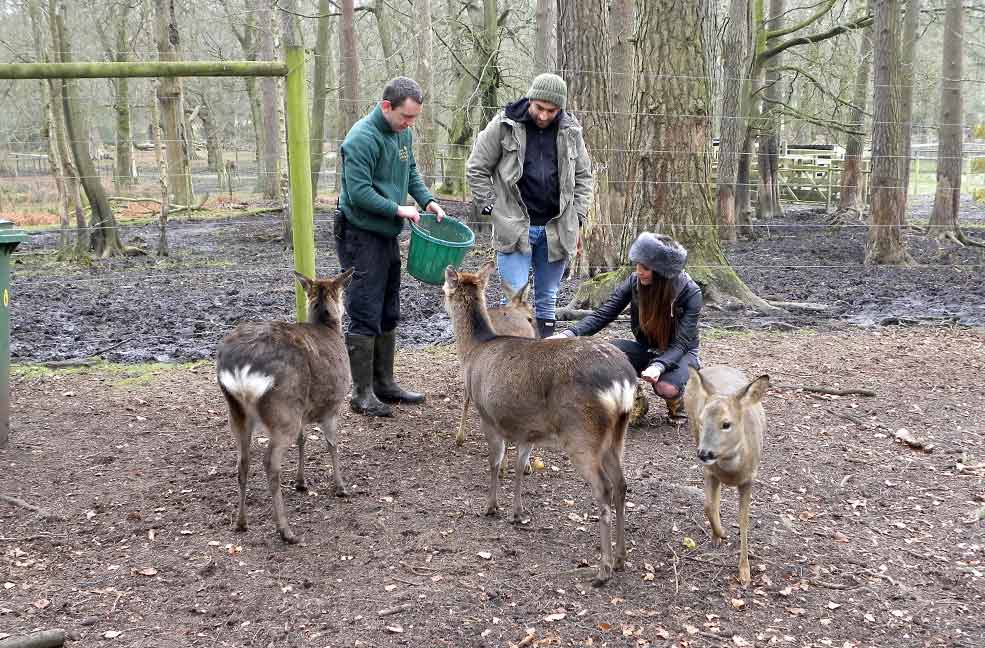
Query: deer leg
(745, 503)
(602, 492)
(497, 448)
(522, 458)
(329, 426)
(713, 496)
(243, 432)
(271, 462)
(299, 483)
(612, 464)
(460, 437)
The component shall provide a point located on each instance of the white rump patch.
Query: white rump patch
(244, 385)
(618, 398)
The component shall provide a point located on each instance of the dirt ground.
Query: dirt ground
(868, 524)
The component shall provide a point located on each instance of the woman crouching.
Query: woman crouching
(664, 307)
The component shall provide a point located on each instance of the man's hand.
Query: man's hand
(436, 209)
(410, 213)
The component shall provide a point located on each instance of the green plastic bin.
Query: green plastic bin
(435, 246)
(9, 240)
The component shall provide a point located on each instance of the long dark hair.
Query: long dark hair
(655, 304)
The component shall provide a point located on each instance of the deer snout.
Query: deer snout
(707, 457)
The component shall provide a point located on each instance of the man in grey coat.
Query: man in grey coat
(531, 174)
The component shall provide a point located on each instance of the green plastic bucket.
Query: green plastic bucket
(435, 246)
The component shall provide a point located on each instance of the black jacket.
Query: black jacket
(686, 308)
(539, 185)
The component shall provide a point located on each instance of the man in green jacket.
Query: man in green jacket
(378, 171)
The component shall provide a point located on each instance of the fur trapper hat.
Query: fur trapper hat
(659, 253)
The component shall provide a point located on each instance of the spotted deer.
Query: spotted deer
(515, 318)
(280, 375)
(575, 393)
(727, 423)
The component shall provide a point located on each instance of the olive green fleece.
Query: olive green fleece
(378, 171)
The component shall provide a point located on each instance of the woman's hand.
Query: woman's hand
(652, 373)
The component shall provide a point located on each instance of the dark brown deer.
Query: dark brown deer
(281, 375)
(727, 423)
(515, 318)
(575, 393)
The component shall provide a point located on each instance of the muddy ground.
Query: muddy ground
(858, 538)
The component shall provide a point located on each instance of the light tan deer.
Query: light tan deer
(515, 318)
(575, 393)
(281, 375)
(728, 423)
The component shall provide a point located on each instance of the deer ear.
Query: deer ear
(304, 281)
(342, 280)
(486, 270)
(754, 391)
(695, 383)
(522, 294)
(451, 277)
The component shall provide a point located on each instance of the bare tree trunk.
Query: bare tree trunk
(270, 157)
(424, 153)
(466, 80)
(349, 78)
(731, 129)
(545, 38)
(849, 195)
(171, 101)
(123, 177)
(907, 78)
(323, 77)
(885, 244)
(213, 138)
(247, 38)
(944, 219)
(486, 23)
(384, 27)
(672, 190)
(622, 23)
(743, 185)
(105, 238)
(768, 205)
(584, 30)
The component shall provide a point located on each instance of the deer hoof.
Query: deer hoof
(620, 563)
(745, 577)
(241, 526)
(603, 577)
(459, 440)
(300, 487)
(341, 490)
(288, 536)
(492, 510)
(527, 470)
(521, 517)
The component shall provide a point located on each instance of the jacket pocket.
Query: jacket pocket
(510, 165)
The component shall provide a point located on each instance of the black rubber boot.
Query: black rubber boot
(364, 401)
(545, 328)
(384, 385)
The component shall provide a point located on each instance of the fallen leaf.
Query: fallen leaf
(690, 629)
(574, 517)
(839, 536)
(485, 555)
(738, 604)
(555, 617)
(833, 606)
(41, 603)
(689, 543)
(390, 588)
(661, 633)
(395, 628)
(147, 571)
(739, 641)
(796, 611)
(112, 634)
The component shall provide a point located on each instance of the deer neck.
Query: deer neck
(324, 318)
(471, 325)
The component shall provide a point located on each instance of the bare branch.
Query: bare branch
(864, 21)
(783, 31)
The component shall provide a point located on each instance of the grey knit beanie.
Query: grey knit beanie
(659, 253)
(549, 87)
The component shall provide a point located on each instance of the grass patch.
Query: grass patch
(121, 374)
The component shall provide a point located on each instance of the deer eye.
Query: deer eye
(726, 425)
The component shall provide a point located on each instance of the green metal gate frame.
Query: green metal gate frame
(299, 161)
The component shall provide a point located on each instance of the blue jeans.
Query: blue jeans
(514, 271)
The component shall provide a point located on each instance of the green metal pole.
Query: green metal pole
(141, 69)
(299, 161)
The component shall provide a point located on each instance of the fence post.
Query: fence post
(299, 162)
